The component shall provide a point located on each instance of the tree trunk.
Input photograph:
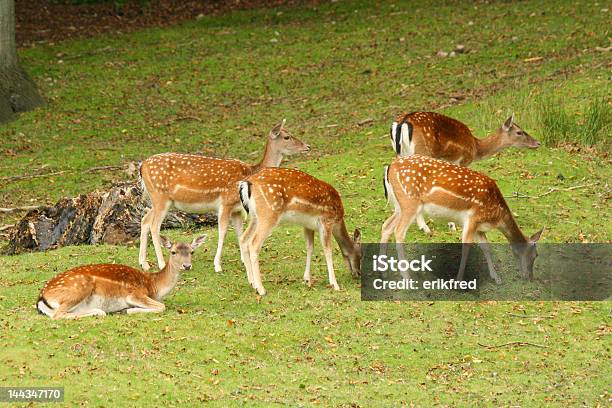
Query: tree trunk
(18, 93)
(111, 217)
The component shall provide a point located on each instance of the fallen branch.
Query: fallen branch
(529, 316)
(55, 173)
(31, 176)
(512, 343)
(88, 53)
(24, 208)
(517, 194)
(555, 189)
(365, 122)
(5, 227)
(93, 169)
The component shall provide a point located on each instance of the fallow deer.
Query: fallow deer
(95, 290)
(275, 195)
(198, 184)
(438, 136)
(419, 184)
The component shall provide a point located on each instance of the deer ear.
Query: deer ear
(165, 242)
(275, 132)
(357, 236)
(536, 237)
(508, 123)
(197, 242)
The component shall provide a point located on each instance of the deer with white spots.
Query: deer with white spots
(199, 184)
(95, 290)
(438, 136)
(277, 195)
(419, 184)
(435, 135)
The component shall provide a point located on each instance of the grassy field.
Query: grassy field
(216, 86)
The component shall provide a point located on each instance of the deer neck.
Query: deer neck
(271, 158)
(165, 280)
(489, 146)
(512, 231)
(344, 240)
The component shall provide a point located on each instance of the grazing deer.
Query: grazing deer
(95, 290)
(275, 195)
(198, 184)
(438, 136)
(419, 184)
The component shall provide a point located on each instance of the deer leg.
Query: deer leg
(72, 309)
(145, 227)
(223, 219)
(486, 249)
(85, 312)
(262, 231)
(237, 223)
(325, 233)
(144, 304)
(422, 224)
(388, 227)
(466, 239)
(407, 215)
(309, 237)
(158, 217)
(244, 240)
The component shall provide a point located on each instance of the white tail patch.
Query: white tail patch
(44, 309)
(406, 140)
(141, 183)
(389, 194)
(244, 187)
(401, 137)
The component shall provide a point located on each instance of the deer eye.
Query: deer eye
(173, 252)
(520, 133)
(287, 137)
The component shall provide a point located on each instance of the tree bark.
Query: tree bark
(18, 93)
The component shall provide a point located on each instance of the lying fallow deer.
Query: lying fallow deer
(438, 136)
(419, 184)
(198, 184)
(92, 290)
(277, 195)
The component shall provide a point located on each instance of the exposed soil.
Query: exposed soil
(40, 21)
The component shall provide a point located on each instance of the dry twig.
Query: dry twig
(512, 343)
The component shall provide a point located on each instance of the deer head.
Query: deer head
(285, 142)
(181, 253)
(512, 135)
(353, 257)
(526, 253)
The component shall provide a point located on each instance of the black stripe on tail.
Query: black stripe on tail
(244, 200)
(409, 131)
(398, 138)
(42, 299)
(385, 178)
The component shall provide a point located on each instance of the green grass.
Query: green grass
(590, 127)
(114, 99)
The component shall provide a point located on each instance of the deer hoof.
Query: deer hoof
(426, 230)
